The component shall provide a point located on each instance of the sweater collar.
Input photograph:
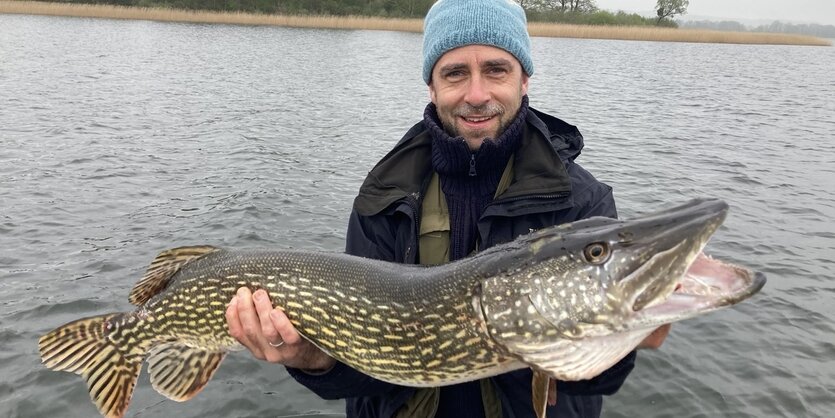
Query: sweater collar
(451, 157)
(406, 169)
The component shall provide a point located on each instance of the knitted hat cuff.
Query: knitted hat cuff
(452, 24)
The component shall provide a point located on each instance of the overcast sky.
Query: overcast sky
(799, 11)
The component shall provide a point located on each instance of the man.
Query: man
(481, 169)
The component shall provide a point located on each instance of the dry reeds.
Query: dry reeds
(235, 18)
(640, 33)
(402, 25)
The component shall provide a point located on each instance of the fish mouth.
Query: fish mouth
(707, 285)
(599, 286)
(658, 250)
(678, 281)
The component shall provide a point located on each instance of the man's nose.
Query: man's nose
(477, 92)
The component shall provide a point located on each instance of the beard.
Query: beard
(449, 119)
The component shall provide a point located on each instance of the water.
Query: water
(123, 138)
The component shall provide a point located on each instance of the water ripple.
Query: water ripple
(261, 136)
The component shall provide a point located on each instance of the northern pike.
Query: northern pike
(568, 301)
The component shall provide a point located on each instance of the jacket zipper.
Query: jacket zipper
(413, 201)
(513, 199)
(525, 197)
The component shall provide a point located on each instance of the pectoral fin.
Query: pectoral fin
(539, 392)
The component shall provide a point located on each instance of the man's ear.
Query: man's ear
(432, 93)
(525, 79)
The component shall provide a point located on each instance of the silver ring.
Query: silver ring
(275, 345)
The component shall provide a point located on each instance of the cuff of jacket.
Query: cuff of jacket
(339, 382)
(607, 383)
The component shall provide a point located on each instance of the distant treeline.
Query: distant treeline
(578, 12)
(821, 31)
(581, 12)
(596, 17)
(382, 8)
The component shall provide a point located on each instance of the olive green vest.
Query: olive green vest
(433, 249)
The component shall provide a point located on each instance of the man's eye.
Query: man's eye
(453, 74)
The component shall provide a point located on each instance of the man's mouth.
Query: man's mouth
(476, 120)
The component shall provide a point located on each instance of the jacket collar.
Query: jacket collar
(539, 165)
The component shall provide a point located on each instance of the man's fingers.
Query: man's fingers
(250, 328)
(286, 331)
(232, 320)
(656, 338)
(263, 307)
(248, 315)
(254, 322)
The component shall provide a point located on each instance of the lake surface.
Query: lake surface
(119, 139)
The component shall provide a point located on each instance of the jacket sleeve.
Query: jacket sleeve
(343, 381)
(593, 198)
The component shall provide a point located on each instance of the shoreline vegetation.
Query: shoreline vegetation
(559, 30)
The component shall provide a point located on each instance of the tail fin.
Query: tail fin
(81, 347)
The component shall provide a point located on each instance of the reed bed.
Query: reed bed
(402, 25)
(189, 16)
(640, 33)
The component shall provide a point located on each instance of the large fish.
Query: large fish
(568, 301)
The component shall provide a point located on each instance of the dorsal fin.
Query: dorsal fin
(163, 268)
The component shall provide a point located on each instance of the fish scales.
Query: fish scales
(373, 340)
(567, 301)
(301, 283)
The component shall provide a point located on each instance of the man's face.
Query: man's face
(477, 90)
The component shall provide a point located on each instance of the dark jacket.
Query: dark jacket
(548, 188)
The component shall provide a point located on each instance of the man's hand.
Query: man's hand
(269, 335)
(654, 340)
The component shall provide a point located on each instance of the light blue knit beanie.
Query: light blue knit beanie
(454, 23)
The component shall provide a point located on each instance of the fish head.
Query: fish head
(601, 276)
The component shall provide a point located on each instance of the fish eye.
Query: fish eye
(597, 252)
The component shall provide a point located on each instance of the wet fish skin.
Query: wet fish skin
(561, 300)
